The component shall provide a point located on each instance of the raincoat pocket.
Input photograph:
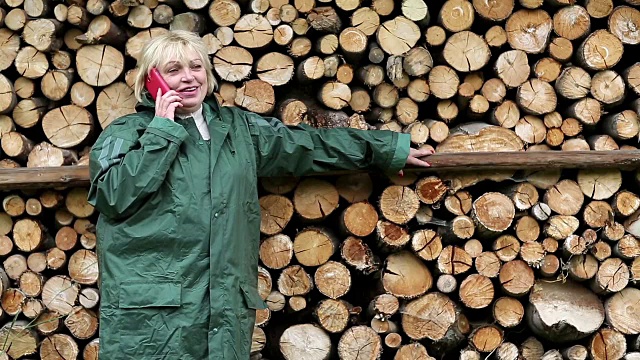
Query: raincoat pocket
(149, 320)
(252, 298)
(135, 295)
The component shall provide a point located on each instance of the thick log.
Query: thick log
(620, 20)
(431, 316)
(582, 320)
(315, 199)
(493, 213)
(516, 278)
(276, 251)
(360, 342)
(332, 315)
(466, 51)
(292, 348)
(59, 294)
(529, 30)
(456, 15)
(454, 260)
(507, 351)
(601, 50)
(333, 279)
(82, 323)
(426, 244)
(607, 344)
(400, 285)
(20, 339)
(536, 97)
(314, 246)
(486, 338)
(573, 83)
(621, 313)
(488, 264)
(476, 291)
(508, 311)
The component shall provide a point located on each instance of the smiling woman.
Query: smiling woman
(176, 187)
(182, 62)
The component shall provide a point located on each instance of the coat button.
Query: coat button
(215, 215)
(215, 330)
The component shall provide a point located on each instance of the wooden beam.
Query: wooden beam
(44, 177)
(534, 160)
(68, 176)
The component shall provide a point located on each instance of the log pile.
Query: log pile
(49, 276)
(531, 265)
(514, 264)
(457, 75)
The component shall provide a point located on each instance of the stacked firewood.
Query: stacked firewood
(517, 264)
(457, 75)
(49, 275)
(506, 264)
(527, 264)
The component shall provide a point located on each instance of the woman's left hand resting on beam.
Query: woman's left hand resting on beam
(414, 158)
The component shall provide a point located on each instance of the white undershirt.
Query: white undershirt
(201, 124)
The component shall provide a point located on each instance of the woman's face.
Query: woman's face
(189, 80)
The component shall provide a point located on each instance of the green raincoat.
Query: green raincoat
(179, 226)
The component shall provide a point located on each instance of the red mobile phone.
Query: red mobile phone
(155, 82)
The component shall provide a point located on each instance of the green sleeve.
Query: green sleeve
(303, 150)
(126, 167)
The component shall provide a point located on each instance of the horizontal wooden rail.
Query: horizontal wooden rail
(67, 176)
(44, 177)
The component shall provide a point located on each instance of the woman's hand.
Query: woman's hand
(167, 103)
(414, 158)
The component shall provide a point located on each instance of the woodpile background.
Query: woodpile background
(502, 264)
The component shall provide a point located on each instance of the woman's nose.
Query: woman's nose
(187, 75)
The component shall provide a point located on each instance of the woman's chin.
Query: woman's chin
(190, 105)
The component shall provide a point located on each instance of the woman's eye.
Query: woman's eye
(197, 66)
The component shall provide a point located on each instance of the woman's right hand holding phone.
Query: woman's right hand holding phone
(166, 104)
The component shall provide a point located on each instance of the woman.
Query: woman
(176, 186)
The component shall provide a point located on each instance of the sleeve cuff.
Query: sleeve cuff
(167, 129)
(401, 152)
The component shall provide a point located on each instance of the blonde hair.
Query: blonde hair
(172, 44)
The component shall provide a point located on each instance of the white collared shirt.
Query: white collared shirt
(201, 124)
